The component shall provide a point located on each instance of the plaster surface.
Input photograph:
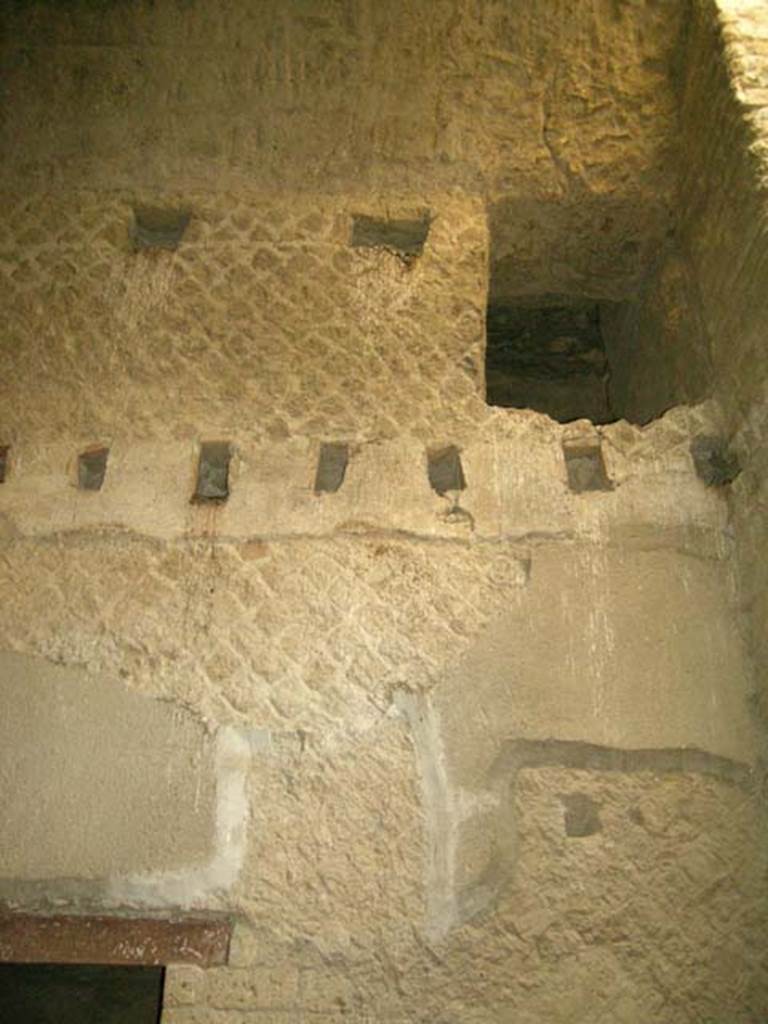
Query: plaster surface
(96, 779)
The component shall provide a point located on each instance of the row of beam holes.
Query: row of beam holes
(583, 461)
(162, 228)
(445, 472)
(715, 464)
(443, 469)
(156, 228)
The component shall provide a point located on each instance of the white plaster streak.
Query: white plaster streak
(439, 812)
(500, 503)
(469, 804)
(599, 621)
(198, 885)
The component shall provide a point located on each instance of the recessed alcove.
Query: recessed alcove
(548, 354)
(158, 228)
(403, 236)
(80, 994)
(81, 968)
(332, 463)
(92, 468)
(212, 485)
(592, 312)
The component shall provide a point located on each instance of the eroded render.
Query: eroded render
(382, 516)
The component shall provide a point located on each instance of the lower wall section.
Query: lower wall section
(455, 780)
(636, 898)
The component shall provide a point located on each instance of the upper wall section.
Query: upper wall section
(560, 113)
(265, 322)
(724, 188)
(304, 95)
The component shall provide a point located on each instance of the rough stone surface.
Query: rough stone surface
(725, 192)
(371, 99)
(657, 344)
(478, 756)
(263, 324)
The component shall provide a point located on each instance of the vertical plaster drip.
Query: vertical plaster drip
(440, 819)
(599, 621)
(501, 505)
(196, 886)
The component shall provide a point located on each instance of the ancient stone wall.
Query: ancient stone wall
(656, 342)
(471, 714)
(725, 192)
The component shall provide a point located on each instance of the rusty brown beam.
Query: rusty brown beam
(75, 939)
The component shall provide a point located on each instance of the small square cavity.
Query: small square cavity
(585, 467)
(405, 238)
(331, 467)
(581, 815)
(157, 228)
(213, 472)
(92, 468)
(444, 469)
(715, 463)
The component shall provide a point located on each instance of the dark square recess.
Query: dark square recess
(585, 467)
(549, 357)
(331, 467)
(91, 468)
(157, 228)
(80, 994)
(445, 470)
(404, 237)
(213, 472)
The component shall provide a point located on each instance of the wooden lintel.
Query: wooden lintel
(76, 939)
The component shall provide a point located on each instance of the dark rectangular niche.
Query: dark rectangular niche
(585, 466)
(80, 994)
(405, 238)
(331, 467)
(444, 469)
(5, 451)
(213, 472)
(715, 463)
(92, 468)
(547, 355)
(158, 228)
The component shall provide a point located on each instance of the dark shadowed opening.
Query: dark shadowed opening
(213, 472)
(585, 466)
(548, 355)
(445, 470)
(331, 467)
(404, 237)
(155, 228)
(80, 994)
(92, 468)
